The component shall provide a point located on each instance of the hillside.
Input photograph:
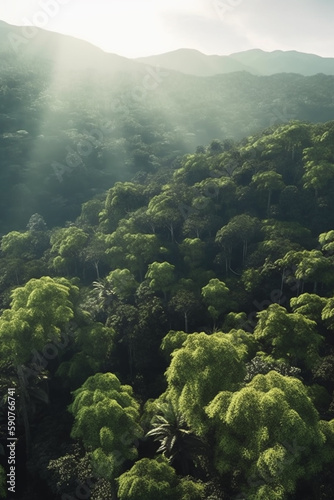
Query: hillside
(75, 131)
(180, 330)
(66, 53)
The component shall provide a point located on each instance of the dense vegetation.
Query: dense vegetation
(175, 340)
(69, 134)
(166, 298)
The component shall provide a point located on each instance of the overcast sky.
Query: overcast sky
(135, 28)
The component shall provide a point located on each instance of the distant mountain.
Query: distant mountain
(68, 52)
(257, 62)
(269, 63)
(193, 62)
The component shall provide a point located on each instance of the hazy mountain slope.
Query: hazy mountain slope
(254, 61)
(268, 63)
(76, 124)
(68, 52)
(193, 62)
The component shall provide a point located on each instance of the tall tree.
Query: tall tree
(106, 419)
(38, 313)
(202, 367)
(270, 432)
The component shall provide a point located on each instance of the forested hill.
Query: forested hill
(166, 279)
(72, 125)
(176, 339)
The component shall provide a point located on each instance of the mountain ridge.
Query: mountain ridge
(69, 51)
(255, 61)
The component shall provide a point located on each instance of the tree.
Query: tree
(289, 336)
(193, 250)
(67, 245)
(216, 296)
(240, 230)
(202, 367)
(106, 419)
(193, 169)
(327, 314)
(270, 432)
(152, 479)
(268, 181)
(39, 311)
(184, 301)
(123, 283)
(140, 250)
(161, 276)
(36, 223)
(309, 305)
(94, 251)
(172, 341)
(314, 267)
(164, 210)
(215, 147)
(22, 254)
(326, 241)
(17, 245)
(319, 172)
(177, 443)
(307, 266)
(122, 198)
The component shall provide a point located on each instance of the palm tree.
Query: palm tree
(177, 442)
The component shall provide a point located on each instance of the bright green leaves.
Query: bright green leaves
(154, 479)
(16, 244)
(106, 419)
(67, 244)
(309, 305)
(270, 431)
(161, 276)
(216, 296)
(39, 311)
(289, 337)
(133, 251)
(203, 367)
(68, 241)
(326, 241)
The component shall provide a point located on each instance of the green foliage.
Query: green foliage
(106, 420)
(309, 305)
(271, 432)
(172, 341)
(215, 295)
(122, 282)
(161, 276)
(39, 310)
(152, 479)
(290, 337)
(202, 367)
(67, 244)
(177, 442)
(228, 232)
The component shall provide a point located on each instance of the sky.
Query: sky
(137, 28)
